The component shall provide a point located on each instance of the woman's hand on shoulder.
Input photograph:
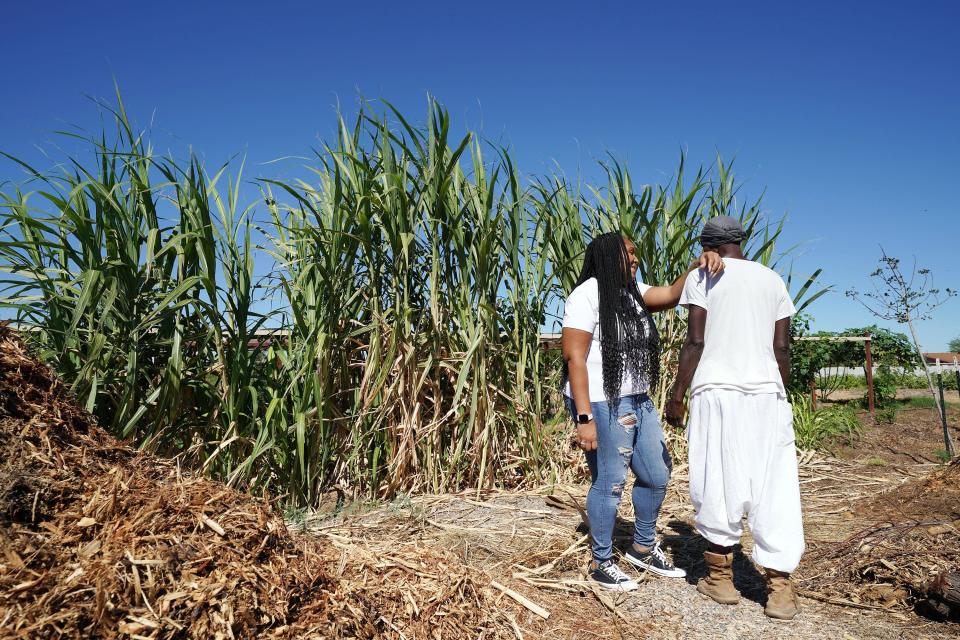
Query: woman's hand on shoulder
(663, 298)
(710, 260)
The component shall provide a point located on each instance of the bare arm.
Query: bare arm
(575, 344)
(781, 349)
(689, 359)
(663, 298)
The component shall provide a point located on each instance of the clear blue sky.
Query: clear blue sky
(847, 112)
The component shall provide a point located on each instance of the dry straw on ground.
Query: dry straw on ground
(538, 541)
(894, 548)
(100, 541)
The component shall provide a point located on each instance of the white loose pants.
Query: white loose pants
(743, 461)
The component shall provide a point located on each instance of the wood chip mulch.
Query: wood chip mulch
(101, 541)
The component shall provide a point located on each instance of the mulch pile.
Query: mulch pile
(101, 541)
(909, 555)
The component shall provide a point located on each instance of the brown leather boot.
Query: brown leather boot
(781, 599)
(718, 583)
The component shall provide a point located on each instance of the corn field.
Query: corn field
(393, 344)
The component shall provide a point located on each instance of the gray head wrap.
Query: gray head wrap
(722, 230)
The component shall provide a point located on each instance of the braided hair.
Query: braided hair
(629, 341)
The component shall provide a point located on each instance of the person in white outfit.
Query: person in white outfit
(736, 362)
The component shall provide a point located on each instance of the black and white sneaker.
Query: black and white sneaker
(654, 561)
(608, 575)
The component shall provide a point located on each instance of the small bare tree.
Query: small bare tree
(905, 299)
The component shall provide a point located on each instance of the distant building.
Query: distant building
(946, 358)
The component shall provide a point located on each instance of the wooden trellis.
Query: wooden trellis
(866, 340)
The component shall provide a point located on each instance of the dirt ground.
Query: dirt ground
(915, 437)
(101, 541)
(536, 544)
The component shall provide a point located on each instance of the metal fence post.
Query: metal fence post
(947, 441)
(869, 371)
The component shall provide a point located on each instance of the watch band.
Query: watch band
(583, 418)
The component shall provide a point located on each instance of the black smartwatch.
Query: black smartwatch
(583, 418)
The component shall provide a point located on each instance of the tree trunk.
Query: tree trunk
(947, 441)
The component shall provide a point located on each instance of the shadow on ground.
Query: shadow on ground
(686, 547)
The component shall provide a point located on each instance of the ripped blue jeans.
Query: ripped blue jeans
(630, 438)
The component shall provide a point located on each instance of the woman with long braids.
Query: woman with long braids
(611, 352)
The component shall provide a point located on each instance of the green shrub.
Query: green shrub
(912, 381)
(803, 420)
(922, 402)
(901, 380)
(886, 415)
(813, 429)
(884, 387)
(845, 381)
(849, 381)
(839, 423)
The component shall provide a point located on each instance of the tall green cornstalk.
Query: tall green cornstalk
(417, 292)
(411, 276)
(107, 284)
(664, 222)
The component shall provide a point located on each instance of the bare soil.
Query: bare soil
(915, 437)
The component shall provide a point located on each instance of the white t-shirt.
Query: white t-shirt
(582, 311)
(743, 303)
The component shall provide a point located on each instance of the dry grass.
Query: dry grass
(893, 545)
(537, 542)
(100, 541)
